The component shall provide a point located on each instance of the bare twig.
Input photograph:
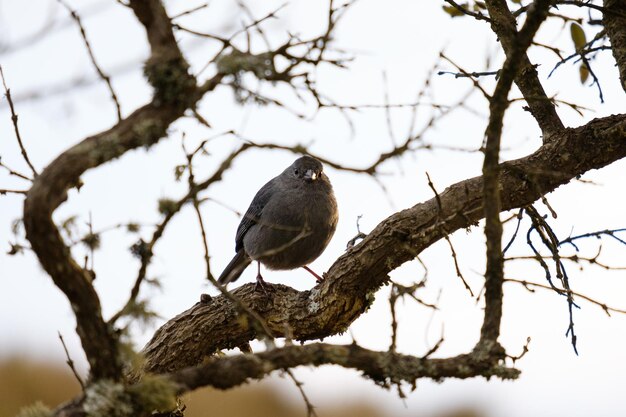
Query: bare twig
(611, 233)
(524, 350)
(70, 363)
(550, 241)
(435, 347)
(359, 235)
(146, 250)
(13, 172)
(473, 74)
(475, 15)
(6, 191)
(190, 11)
(196, 206)
(7, 93)
(577, 259)
(607, 309)
(520, 216)
(106, 78)
(590, 5)
(465, 74)
(310, 408)
(447, 237)
(400, 291)
(388, 110)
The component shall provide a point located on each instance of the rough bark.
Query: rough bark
(49, 190)
(384, 368)
(540, 106)
(352, 281)
(183, 348)
(498, 103)
(614, 21)
(174, 92)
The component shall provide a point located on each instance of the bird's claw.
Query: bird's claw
(260, 283)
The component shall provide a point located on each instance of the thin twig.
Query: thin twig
(447, 237)
(359, 235)
(14, 173)
(310, 408)
(4, 191)
(70, 363)
(520, 216)
(460, 8)
(466, 74)
(190, 11)
(196, 206)
(146, 249)
(572, 258)
(92, 57)
(469, 74)
(7, 92)
(435, 348)
(550, 241)
(388, 110)
(524, 351)
(607, 309)
(590, 5)
(262, 326)
(607, 232)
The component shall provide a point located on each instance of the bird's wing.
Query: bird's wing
(254, 212)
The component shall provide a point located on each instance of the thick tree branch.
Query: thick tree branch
(541, 107)
(175, 91)
(384, 368)
(142, 128)
(331, 306)
(615, 26)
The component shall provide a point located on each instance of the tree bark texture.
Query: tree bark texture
(184, 347)
(352, 281)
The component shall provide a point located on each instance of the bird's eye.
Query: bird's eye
(295, 171)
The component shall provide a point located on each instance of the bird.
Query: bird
(289, 223)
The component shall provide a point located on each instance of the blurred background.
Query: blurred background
(394, 47)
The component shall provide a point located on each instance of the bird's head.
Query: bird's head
(306, 169)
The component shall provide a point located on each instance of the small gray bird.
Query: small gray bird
(288, 224)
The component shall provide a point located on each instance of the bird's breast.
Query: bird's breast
(293, 230)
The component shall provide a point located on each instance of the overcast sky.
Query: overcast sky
(401, 39)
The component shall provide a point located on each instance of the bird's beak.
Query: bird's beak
(310, 175)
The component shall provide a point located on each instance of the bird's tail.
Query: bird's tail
(235, 267)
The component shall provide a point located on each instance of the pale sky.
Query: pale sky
(401, 39)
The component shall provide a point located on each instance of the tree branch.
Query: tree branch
(105, 77)
(494, 273)
(142, 128)
(175, 91)
(615, 26)
(7, 93)
(541, 107)
(384, 368)
(350, 284)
